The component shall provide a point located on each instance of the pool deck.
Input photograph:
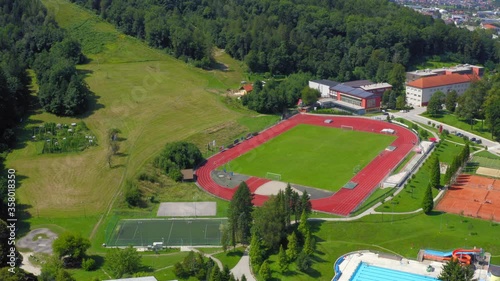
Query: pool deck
(352, 260)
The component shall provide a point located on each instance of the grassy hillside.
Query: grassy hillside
(151, 97)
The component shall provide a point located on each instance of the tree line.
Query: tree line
(31, 39)
(342, 40)
(273, 228)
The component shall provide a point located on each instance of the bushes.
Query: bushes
(132, 194)
(175, 174)
(88, 264)
(147, 177)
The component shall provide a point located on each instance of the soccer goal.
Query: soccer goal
(345, 127)
(273, 176)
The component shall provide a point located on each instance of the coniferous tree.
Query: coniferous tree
(296, 206)
(288, 204)
(215, 274)
(304, 226)
(305, 203)
(428, 203)
(293, 246)
(256, 251)
(465, 153)
(265, 271)
(240, 215)
(282, 260)
(309, 244)
(435, 173)
(454, 271)
(269, 222)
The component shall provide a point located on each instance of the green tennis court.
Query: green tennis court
(172, 232)
(486, 162)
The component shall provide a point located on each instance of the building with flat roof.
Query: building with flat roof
(357, 96)
(419, 91)
(323, 86)
(458, 69)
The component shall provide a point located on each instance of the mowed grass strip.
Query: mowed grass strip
(313, 156)
(399, 234)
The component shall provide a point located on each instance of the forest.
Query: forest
(340, 40)
(31, 39)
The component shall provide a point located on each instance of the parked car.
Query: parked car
(473, 139)
(478, 141)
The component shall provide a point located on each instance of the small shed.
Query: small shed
(187, 174)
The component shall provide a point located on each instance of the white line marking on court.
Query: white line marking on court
(206, 226)
(171, 226)
(135, 232)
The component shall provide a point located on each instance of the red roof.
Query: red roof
(440, 80)
(489, 26)
(248, 87)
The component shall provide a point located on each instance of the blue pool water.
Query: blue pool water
(365, 272)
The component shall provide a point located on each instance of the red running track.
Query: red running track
(345, 200)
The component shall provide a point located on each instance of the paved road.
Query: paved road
(243, 267)
(414, 115)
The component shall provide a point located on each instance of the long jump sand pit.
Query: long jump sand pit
(187, 209)
(273, 187)
(473, 196)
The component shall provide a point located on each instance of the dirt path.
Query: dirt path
(27, 265)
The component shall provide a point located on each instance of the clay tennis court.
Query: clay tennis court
(473, 196)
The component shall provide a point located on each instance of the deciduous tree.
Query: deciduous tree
(122, 261)
(72, 245)
(451, 101)
(435, 103)
(310, 96)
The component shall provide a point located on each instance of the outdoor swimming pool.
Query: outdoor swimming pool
(365, 272)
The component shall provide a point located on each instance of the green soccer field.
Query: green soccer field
(313, 156)
(172, 232)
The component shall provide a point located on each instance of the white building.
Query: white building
(419, 92)
(323, 86)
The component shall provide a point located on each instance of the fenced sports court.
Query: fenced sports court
(486, 162)
(473, 196)
(172, 232)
